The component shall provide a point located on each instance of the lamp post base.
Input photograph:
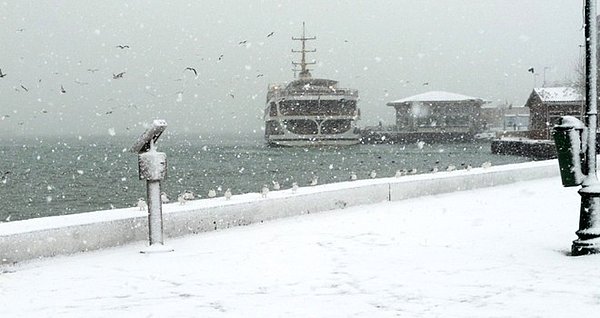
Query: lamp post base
(585, 247)
(589, 222)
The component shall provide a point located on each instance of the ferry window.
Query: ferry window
(337, 107)
(289, 108)
(273, 127)
(273, 109)
(302, 127)
(335, 126)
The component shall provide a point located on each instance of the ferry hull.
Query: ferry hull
(312, 142)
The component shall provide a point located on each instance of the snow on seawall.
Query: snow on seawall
(57, 235)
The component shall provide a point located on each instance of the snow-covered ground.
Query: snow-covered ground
(492, 252)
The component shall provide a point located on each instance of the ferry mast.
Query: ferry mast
(304, 71)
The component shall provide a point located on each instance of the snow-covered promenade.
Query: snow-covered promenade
(491, 252)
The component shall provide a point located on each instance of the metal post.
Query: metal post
(153, 169)
(589, 215)
(155, 220)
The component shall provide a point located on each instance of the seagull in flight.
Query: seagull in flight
(62, 89)
(191, 69)
(2, 74)
(242, 42)
(25, 88)
(122, 46)
(117, 76)
(93, 70)
(270, 34)
(220, 57)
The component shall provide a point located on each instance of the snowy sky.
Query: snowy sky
(385, 49)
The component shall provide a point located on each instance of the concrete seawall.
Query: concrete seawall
(59, 235)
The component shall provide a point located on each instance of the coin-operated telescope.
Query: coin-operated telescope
(152, 168)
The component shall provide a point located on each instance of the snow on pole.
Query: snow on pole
(591, 63)
(152, 168)
(588, 241)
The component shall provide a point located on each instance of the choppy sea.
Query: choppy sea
(47, 176)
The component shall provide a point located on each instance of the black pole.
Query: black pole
(589, 215)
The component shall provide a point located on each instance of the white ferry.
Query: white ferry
(311, 111)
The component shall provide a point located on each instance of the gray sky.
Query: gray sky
(385, 49)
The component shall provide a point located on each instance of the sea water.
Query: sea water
(47, 176)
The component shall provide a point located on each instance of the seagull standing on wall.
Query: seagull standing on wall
(264, 191)
(276, 185)
(294, 187)
(314, 180)
(398, 174)
(181, 199)
(373, 174)
(164, 198)
(141, 204)
(228, 194)
(188, 195)
(212, 193)
(353, 176)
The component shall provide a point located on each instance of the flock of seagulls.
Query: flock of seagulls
(62, 88)
(264, 191)
(118, 75)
